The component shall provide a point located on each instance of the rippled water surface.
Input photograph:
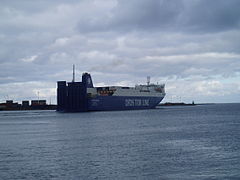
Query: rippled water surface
(184, 142)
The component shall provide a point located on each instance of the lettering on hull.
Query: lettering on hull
(95, 102)
(136, 102)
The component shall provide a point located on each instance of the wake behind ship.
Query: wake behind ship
(83, 96)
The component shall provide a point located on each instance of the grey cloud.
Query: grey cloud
(147, 14)
(166, 15)
(31, 7)
(134, 15)
(212, 16)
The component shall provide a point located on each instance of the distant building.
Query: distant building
(9, 105)
(9, 102)
(38, 102)
(25, 103)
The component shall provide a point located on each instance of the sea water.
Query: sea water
(178, 142)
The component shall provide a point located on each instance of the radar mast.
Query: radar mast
(73, 80)
(148, 80)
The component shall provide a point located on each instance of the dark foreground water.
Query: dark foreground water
(195, 142)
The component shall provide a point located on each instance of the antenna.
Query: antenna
(148, 80)
(73, 80)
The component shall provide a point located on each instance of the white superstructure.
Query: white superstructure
(152, 90)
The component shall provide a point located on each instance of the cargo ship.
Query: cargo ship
(83, 96)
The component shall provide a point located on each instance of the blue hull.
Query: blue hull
(111, 103)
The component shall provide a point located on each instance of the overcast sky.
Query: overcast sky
(193, 46)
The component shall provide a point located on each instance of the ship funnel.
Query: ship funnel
(87, 80)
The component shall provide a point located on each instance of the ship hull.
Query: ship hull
(112, 103)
